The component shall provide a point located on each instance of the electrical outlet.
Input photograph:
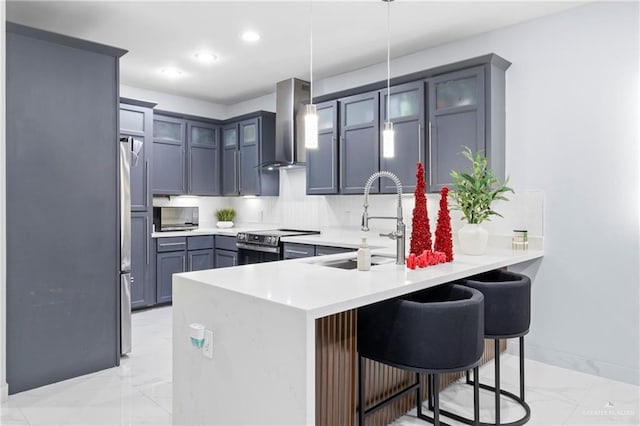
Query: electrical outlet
(207, 348)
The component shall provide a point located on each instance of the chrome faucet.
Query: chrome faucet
(399, 234)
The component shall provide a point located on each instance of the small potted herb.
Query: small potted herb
(225, 217)
(473, 195)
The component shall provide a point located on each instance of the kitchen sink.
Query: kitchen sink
(352, 262)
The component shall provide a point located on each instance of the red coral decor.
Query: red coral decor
(420, 232)
(444, 239)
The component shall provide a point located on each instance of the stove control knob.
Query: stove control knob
(242, 236)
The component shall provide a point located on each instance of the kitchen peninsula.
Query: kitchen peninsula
(266, 321)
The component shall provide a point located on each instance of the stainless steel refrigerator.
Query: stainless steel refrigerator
(126, 156)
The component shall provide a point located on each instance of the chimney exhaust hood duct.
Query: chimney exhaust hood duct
(291, 97)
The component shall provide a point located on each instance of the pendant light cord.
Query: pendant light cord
(311, 52)
(388, 59)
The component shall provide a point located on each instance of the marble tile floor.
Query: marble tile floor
(138, 392)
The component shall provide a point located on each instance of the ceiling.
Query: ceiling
(347, 35)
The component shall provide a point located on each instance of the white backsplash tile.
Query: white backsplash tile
(294, 209)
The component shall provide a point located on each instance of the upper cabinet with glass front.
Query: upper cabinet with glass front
(456, 119)
(407, 113)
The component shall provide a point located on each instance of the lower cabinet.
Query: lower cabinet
(143, 289)
(326, 250)
(226, 251)
(180, 254)
(168, 264)
(295, 250)
(226, 258)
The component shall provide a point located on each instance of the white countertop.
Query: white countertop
(318, 290)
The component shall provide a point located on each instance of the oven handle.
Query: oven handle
(253, 247)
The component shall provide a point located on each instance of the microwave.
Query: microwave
(175, 218)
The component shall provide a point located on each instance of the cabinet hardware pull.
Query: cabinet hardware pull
(296, 251)
(171, 244)
(430, 158)
(419, 142)
(146, 225)
(333, 161)
(183, 264)
(147, 184)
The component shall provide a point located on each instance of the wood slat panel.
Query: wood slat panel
(336, 370)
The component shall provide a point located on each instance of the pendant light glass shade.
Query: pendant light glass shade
(388, 134)
(388, 140)
(311, 127)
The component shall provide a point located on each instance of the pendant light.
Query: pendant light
(311, 116)
(388, 134)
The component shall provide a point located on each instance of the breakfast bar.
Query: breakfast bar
(283, 347)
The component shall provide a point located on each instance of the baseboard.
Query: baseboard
(574, 362)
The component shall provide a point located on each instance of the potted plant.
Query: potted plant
(473, 195)
(225, 217)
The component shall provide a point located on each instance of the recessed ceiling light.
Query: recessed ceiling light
(206, 57)
(171, 72)
(250, 36)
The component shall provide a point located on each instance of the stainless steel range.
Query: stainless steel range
(264, 246)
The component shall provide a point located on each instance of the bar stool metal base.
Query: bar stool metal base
(497, 392)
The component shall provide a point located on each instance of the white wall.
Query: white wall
(175, 103)
(266, 103)
(3, 234)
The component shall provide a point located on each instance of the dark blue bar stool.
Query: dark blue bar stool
(507, 314)
(435, 331)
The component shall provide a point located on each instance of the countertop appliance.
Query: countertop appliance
(264, 246)
(126, 157)
(167, 219)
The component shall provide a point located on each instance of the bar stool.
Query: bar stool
(435, 331)
(507, 314)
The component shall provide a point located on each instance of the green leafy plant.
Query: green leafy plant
(474, 192)
(226, 215)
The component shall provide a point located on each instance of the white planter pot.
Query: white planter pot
(224, 224)
(473, 239)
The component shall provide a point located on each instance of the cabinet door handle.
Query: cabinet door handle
(190, 173)
(171, 244)
(296, 252)
(146, 225)
(238, 165)
(190, 263)
(430, 158)
(333, 161)
(341, 177)
(419, 142)
(147, 185)
(184, 264)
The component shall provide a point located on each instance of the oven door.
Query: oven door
(249, 253)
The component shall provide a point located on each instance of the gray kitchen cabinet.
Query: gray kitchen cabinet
(136, 120)
(247, 144)
(226, 252)
(143, 288)
(203, 157)
(171, 258)
(322, 162)
(407, 113)
(295, 250)
(456, 119)
(249, 156)
(226, 258)
(201, 259)
(167, 264)
(359, 142)
(200, 252)
(169, 141)
(62, 218)
(327, 250)
(257, 146)
(230, 146)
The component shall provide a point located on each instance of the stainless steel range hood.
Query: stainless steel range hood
(291, 97)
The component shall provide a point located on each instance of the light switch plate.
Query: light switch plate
(207, 348)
